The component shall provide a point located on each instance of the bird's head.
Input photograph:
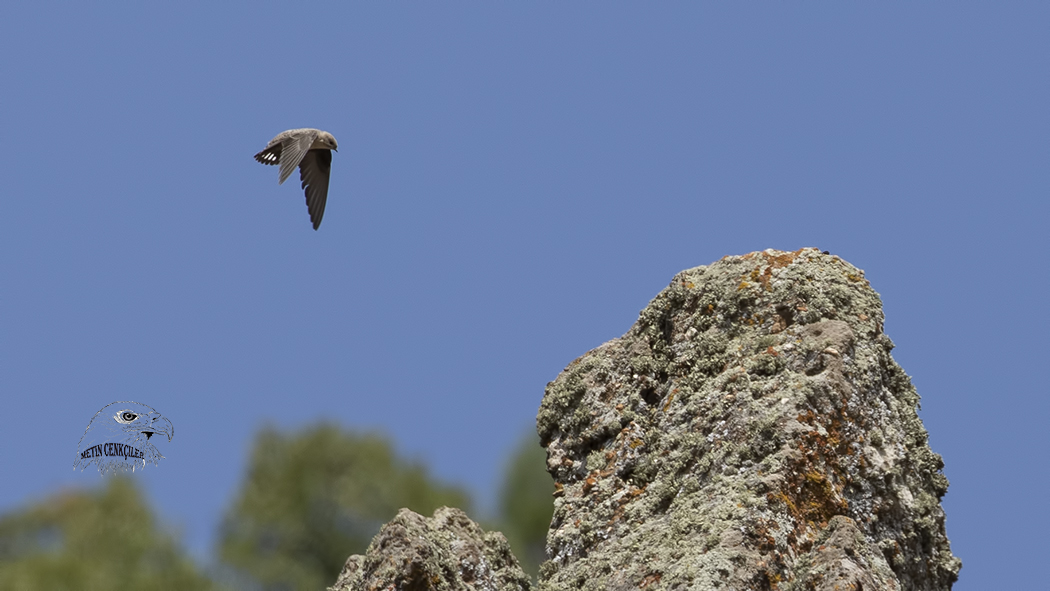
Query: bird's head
(328, 140)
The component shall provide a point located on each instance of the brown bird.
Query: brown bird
(311, 151)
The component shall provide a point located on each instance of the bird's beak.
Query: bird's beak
(160, 425)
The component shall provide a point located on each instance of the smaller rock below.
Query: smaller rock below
(446, 552)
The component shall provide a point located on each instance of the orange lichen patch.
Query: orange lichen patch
(589, 482)
(670, 397)
(771, 568)
(772, 352)
(840, 427)
(812, 491)
(759, 533)
(710, 309)
(784, 499)
(774, 260)
(610, 464)
(781, 260)
(649, 580)
(810, 499)
(632, 493)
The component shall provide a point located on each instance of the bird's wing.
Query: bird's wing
(315, 170)
(293, 150)
(271, 155)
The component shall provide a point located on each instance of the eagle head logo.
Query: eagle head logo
(120, 438)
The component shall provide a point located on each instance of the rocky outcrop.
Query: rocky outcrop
(446, 552)
(750, 431)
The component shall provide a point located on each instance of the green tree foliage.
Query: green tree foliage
(105, 540)
(313, 498)
(526, 503)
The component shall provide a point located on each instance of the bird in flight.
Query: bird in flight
(118, 438)
(311, 151)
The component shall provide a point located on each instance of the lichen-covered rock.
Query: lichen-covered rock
(751, 431)
(446, 552)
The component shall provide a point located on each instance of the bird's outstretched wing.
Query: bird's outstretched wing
(293, 150)
(315, 171)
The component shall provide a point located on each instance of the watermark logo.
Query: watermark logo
(119, 438)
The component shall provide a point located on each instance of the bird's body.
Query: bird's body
(311, 151)
(119, 437)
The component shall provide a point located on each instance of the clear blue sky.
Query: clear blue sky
(515, 181)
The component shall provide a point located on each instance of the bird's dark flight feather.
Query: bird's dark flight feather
(271, 155)
(315, 171)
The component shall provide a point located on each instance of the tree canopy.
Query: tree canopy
(309, 499)
(312, 498)
(104, 540)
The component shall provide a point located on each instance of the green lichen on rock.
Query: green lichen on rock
(446, 552)
(750, 431)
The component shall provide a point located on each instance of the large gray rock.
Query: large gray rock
(446, 552)
(751, 431)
